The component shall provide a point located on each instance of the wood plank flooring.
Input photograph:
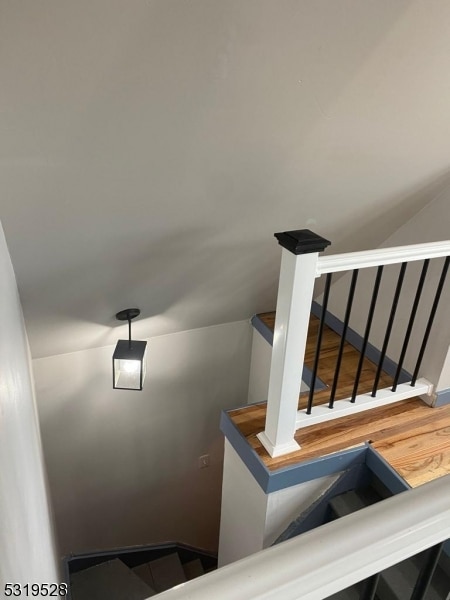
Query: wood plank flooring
(328, 355)
(411, 436)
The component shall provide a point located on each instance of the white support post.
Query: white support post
(295, 292)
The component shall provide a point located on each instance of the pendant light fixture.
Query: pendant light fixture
(129, 358)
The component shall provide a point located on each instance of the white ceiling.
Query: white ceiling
(150, 149)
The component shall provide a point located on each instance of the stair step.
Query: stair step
(354, 500)
(111, 580)
(441, 577)
(440, 583)
(193, 569)
(347, 503)
(144, 572)
(369, 495)
(166, 572)
(379, 488)
(397, 583)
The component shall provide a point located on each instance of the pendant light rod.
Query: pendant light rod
(127, 315)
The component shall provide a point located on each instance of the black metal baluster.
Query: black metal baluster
(370, 587)
(348, 310)
(410, 323)
(427, 572)
(319, 342)
(373, 302)
(387, 336)
(430, 320)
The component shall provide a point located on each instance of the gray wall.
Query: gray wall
(27, 548)
(152, 148)
(123, 465)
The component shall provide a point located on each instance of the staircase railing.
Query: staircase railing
(300, 266)
(332, 557)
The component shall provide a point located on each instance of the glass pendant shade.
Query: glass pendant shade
(129, 362)
(129, 358)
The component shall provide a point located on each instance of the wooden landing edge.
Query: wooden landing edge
(413, 439)
(294, 474)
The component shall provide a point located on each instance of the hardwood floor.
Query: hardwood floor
(411, 436)
(327, 363)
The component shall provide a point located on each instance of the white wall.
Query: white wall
(444, 379)
(430, 224)
(252, 520)
(158, 145)
(286, 505)
(123, 465)
(258, 383)
(27, 548)
(244, 507)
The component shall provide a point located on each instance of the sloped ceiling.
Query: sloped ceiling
(150, 149)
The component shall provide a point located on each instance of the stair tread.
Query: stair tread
(346, 503)
(111, 580)
(144, 572)
(369, 495)
(398, 582)
(354, 500)
(166, 572)
(193, 569)
(440, 584)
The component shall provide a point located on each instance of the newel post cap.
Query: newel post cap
(302, 241)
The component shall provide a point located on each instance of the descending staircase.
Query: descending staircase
(355, 490)
(136, 574)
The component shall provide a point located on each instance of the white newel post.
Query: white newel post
(295, 292)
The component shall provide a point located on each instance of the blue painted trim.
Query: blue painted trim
(267, 334)
(307, 378)
(314, 469)
(273, 481)
(246, 453)
(262, 328)
(442, 398)
(385, 473)
(356, 340)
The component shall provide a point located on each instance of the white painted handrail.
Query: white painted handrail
(300, 266)
(334, 556)
(381, 256)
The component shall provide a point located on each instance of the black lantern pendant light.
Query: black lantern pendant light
(129, 358)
